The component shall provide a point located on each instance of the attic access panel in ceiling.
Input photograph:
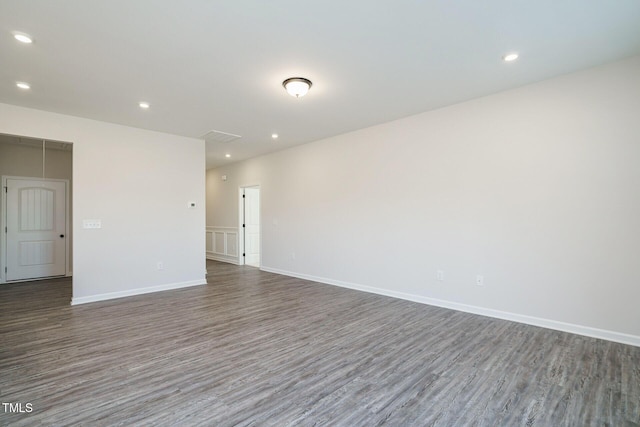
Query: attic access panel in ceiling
(220, 137)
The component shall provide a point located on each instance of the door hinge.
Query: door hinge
(243, 196)
(242, 225)
(243, 255)
(5, 270)
(6, 189)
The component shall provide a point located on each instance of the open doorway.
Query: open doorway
(35, 211)
(250, 224)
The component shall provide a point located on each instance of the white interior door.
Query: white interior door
(36, 229)
(252, 226)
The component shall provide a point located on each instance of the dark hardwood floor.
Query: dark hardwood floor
(254, 348)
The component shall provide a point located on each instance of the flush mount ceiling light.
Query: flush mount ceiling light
(22, 37)
(274, 135)
(509, 57)
(23, 85)
(297, 86)
(227, 155)
(144, 105)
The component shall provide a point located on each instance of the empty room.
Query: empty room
(245, 213)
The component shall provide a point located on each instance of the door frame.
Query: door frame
(3, 223)
(241, 229)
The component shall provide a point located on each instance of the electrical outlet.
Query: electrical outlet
(480, 280)
(440, 275)
(160, 265)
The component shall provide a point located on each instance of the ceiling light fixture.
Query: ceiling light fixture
(227, 155)
(23, 85)
(144, 105)
(274, 135)
(510, 57)
(297, 86)
(22, 37)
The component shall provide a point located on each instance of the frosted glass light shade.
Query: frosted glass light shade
(297, 86)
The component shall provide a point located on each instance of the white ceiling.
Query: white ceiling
(205, 64)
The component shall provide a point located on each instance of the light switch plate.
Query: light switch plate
(91, 223)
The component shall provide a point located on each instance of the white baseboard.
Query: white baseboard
(138, 291)
(514, 317)
(222, 259)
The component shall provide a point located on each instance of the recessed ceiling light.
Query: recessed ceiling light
(144, 105)
(22, 37)
(274, 135)
(23, 85)
(227, 155)
(510, 57)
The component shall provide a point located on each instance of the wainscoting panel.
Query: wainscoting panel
(232, 243)
(219, 243)
(222, 244)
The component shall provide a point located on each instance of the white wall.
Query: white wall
(138, 183)
(537, 189)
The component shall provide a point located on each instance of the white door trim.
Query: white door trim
(3, 223)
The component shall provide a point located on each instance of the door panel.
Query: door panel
(36, 229)
(252, 226)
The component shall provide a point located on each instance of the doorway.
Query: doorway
(35, 209)
(250, 225)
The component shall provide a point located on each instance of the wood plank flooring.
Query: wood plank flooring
(257, 349)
